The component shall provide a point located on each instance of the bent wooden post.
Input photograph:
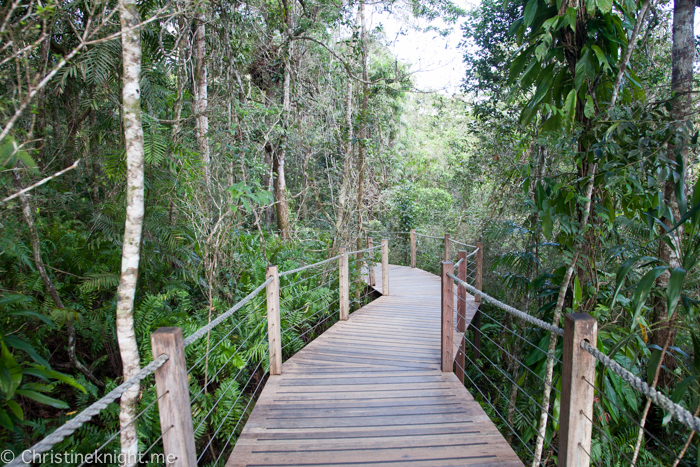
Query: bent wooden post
(274, 335)
(447, 314)
(174, 399)
(344, 284)
(577, 395)
(385, 266)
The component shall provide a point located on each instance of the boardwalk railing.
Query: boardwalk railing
(216, 374)
(577, 415)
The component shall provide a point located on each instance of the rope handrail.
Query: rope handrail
(473, 253)
(308, 266)
(514, 311)
(429, 236)
(366, 250)
(201, 332)
(86, 415)
(463, 244)
(681, 414)
(386, 232)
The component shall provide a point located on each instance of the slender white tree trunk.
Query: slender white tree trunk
(133, 138)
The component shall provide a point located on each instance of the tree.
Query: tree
(133, 139)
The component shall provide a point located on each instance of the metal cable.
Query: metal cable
(512, 429)
(506, 374)
(307, 291)
(154, 443)
(204, 450)
(223, 338)
(523, 339)
(307, 304)
(96, 451)
(201, 391)
(520, 314)
(307, 331)
(305, 279)
(309, 318)
(233, 380)
(239, 422)
(504, 397)
(205, 329)
(599, 428)
(632, 419)
(677, 411)
(86, 415)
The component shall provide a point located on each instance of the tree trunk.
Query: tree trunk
(133, 138)
(200, 99)
(181, 75)
(683, 56)
(279, 156)
(362, 130)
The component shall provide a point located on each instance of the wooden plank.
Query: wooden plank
(370, 392)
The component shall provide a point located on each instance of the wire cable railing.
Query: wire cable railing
(606, 448)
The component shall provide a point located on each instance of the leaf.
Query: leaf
(42, 398)
(605, 6)
(529, 13)
(643, 289)
(547, 226)
(622, 273)
(571, 17)
(577, 293)
(696, 202)
(675, 286)
(589, 109)
(19, 344)
(16, 409)
(680, 184)
(570, 105)
(652, 364)
(5, 420)
(34, 314)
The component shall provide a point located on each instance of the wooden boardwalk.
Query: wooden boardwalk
(369, 391)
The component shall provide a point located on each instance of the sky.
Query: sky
(436, 60)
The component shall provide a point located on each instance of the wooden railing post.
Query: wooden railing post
(413, 248)
(447, 248)
(173, 393)
(476, 321)
(576, 394)
(385, 266)
(274, 337)
(448, 300)
(344, 284)
(461, 315)
(370, 263)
